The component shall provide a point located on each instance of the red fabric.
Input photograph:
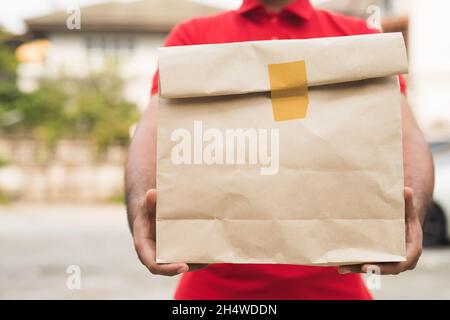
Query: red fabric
(274, 282)
(402, 84)
(299, 20)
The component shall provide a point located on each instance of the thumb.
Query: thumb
(150, 199)
(409, 206)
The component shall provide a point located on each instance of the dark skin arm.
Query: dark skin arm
(140, 183)
(418, 163)
(419, 184)
(140, 170)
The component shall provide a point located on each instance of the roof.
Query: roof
(135, 16)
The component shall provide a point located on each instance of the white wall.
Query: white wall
(71, 173)
(69, 54)
(430, 64)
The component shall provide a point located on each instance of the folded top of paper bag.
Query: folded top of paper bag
(190, 71)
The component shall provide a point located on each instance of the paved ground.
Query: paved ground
(38, 243)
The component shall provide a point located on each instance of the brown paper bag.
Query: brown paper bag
(281, 152)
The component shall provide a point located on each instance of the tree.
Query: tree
(91, 108)
(9, 92)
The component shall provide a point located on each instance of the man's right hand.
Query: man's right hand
(140, 172)
(144, 234)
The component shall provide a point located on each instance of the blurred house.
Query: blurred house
(127, 32)
(425, 26)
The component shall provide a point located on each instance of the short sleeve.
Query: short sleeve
(181, 35)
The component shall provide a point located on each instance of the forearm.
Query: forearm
(140, 169)
(418, 163)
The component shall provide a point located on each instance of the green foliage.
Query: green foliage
(90, 108)
(39, 114)
(3, 161)
(8, 61)
(4, 199)
(9, 92)
(96, 110)
(118, 198)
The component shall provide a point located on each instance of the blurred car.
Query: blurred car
(437, 224)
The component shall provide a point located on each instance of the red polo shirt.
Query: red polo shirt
(299, 20)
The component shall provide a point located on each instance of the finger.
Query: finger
(378, 268)
(356, 268)
(150, 199)
(414, 233)
(196, 266)
(150, 213)
(413, 252)
(146, 249)
(392, 268)
(409, 205)
(146, 254)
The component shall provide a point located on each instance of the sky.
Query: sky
(13, 12)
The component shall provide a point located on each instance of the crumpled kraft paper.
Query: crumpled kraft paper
(336, 195)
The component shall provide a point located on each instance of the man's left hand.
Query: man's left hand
(413, 245)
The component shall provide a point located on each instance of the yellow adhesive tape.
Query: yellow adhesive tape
(289, 90)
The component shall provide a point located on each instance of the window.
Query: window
(110, 45)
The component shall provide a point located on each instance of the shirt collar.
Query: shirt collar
(301, 8)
